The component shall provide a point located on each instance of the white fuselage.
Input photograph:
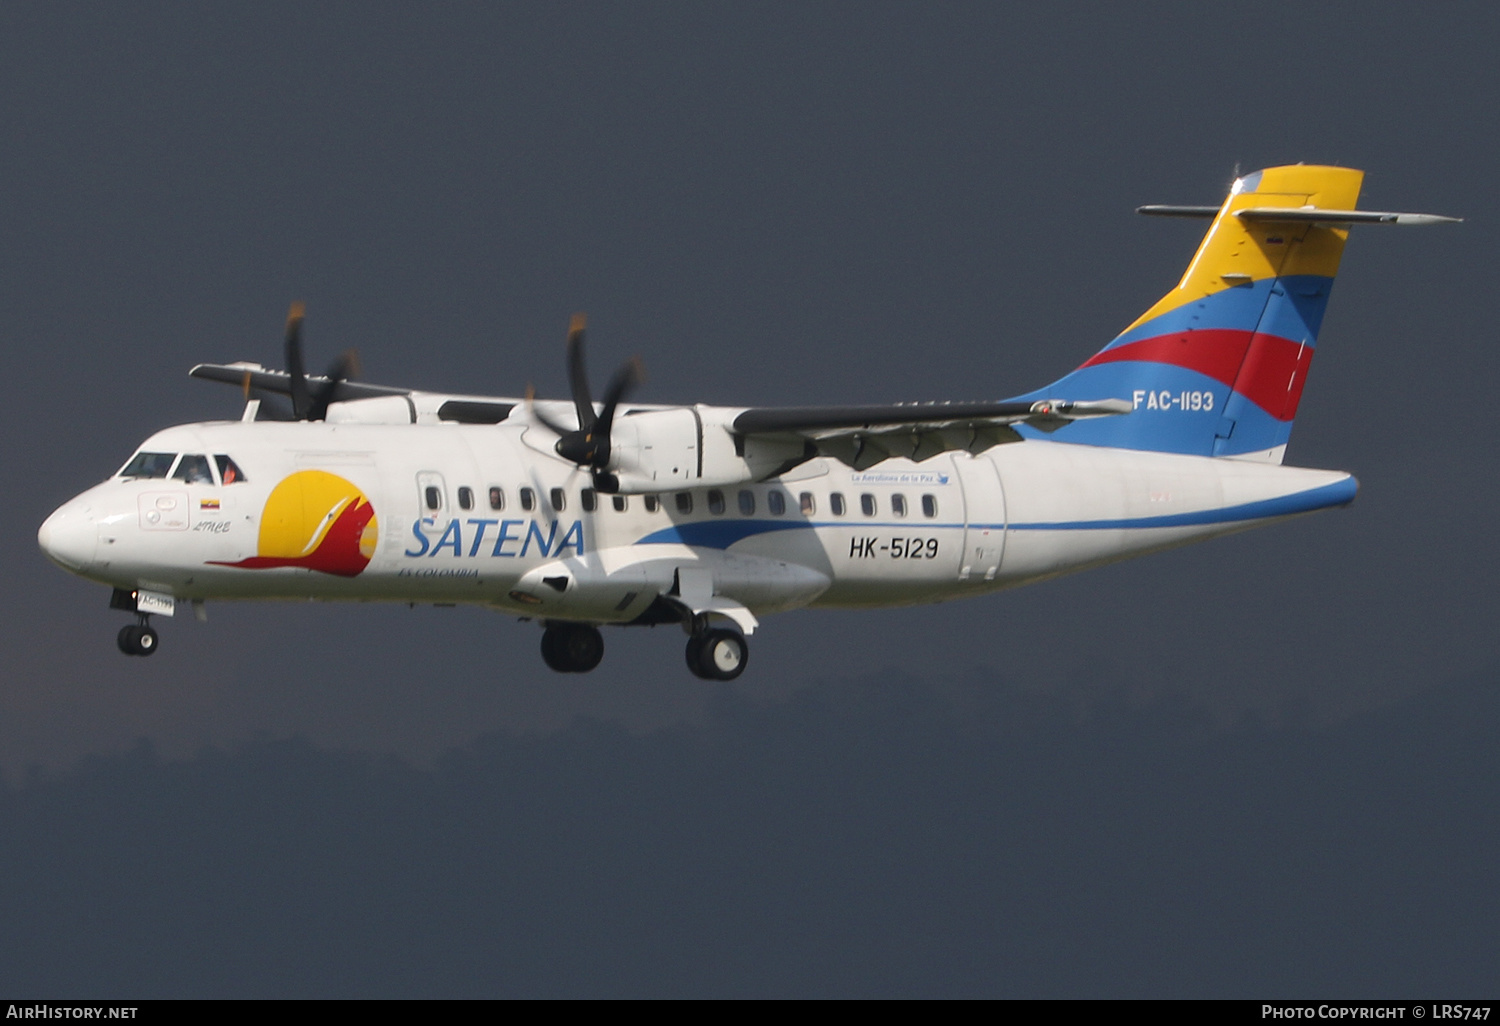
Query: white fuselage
(451, 522)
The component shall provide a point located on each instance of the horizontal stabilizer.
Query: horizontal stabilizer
(1168, 210)
(1318, 215)
(1301, 215)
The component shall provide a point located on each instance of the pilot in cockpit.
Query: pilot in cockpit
(229, 472)
(194, 469)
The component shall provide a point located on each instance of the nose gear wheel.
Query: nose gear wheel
(137, 639)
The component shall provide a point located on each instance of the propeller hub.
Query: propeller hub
(582, 449)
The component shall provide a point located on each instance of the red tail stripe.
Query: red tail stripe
(1216, 352)
(1266, 369)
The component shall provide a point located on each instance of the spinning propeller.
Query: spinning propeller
(312, 405)
(588, 444)
(308, 403)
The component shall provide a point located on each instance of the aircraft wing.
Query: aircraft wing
(438, 406)
(862, 436)
(254, 376)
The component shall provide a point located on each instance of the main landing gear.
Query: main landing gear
(717, 654)
(572, 647)
(137, 639)
(712, 653)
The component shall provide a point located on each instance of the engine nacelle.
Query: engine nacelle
(386, 409)
(693, 447)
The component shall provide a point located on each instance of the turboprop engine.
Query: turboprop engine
(693, 446)
(654, 450)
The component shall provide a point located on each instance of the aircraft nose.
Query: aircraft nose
(69, 537)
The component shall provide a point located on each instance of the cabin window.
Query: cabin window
(620, 503)
(715, 502)
(929, 505)
(589, 499)
(433, 497)
(776, 502)
(559, 500)
(652, 503)
(149, 464)
(684, 502)
(867, 504)
(465, 497)
(836, 504)
(528, 499)
(497, 497)
(747, 502)
(229, 471)
(806, 504)
(193, 469)
(898, 505)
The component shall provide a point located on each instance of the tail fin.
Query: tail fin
(1216, 367)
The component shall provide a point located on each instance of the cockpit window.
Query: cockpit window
(229, 471)
(193, 469)
(149, 464)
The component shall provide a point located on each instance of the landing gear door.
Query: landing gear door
(984, 518)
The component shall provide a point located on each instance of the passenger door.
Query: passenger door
(984, 518)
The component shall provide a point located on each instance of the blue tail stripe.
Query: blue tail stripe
(1240, 308)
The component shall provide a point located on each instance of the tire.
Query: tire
(572, 647)
(551, 651)
(718, 654)
(695, 656)
(126, 639)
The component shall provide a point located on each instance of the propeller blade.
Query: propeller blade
(587, 445)
(631, 373)
(541, 418)
(591, 448)
(340, 370)
(301, 401)
(578, 378)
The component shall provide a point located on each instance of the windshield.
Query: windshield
(149, 464)
(229, 472)
(193, 469)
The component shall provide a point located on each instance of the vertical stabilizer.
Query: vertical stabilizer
(1217, 366)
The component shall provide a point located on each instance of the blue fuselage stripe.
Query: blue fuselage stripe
(1339, 493)
(721, 534)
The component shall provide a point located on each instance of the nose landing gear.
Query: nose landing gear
(137, 639)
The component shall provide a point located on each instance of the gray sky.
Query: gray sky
(788, 204)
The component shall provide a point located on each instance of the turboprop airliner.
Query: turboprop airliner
(577, 515)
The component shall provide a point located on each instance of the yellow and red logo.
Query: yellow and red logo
(317, 521)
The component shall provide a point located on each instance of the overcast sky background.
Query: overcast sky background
(1217, 770)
